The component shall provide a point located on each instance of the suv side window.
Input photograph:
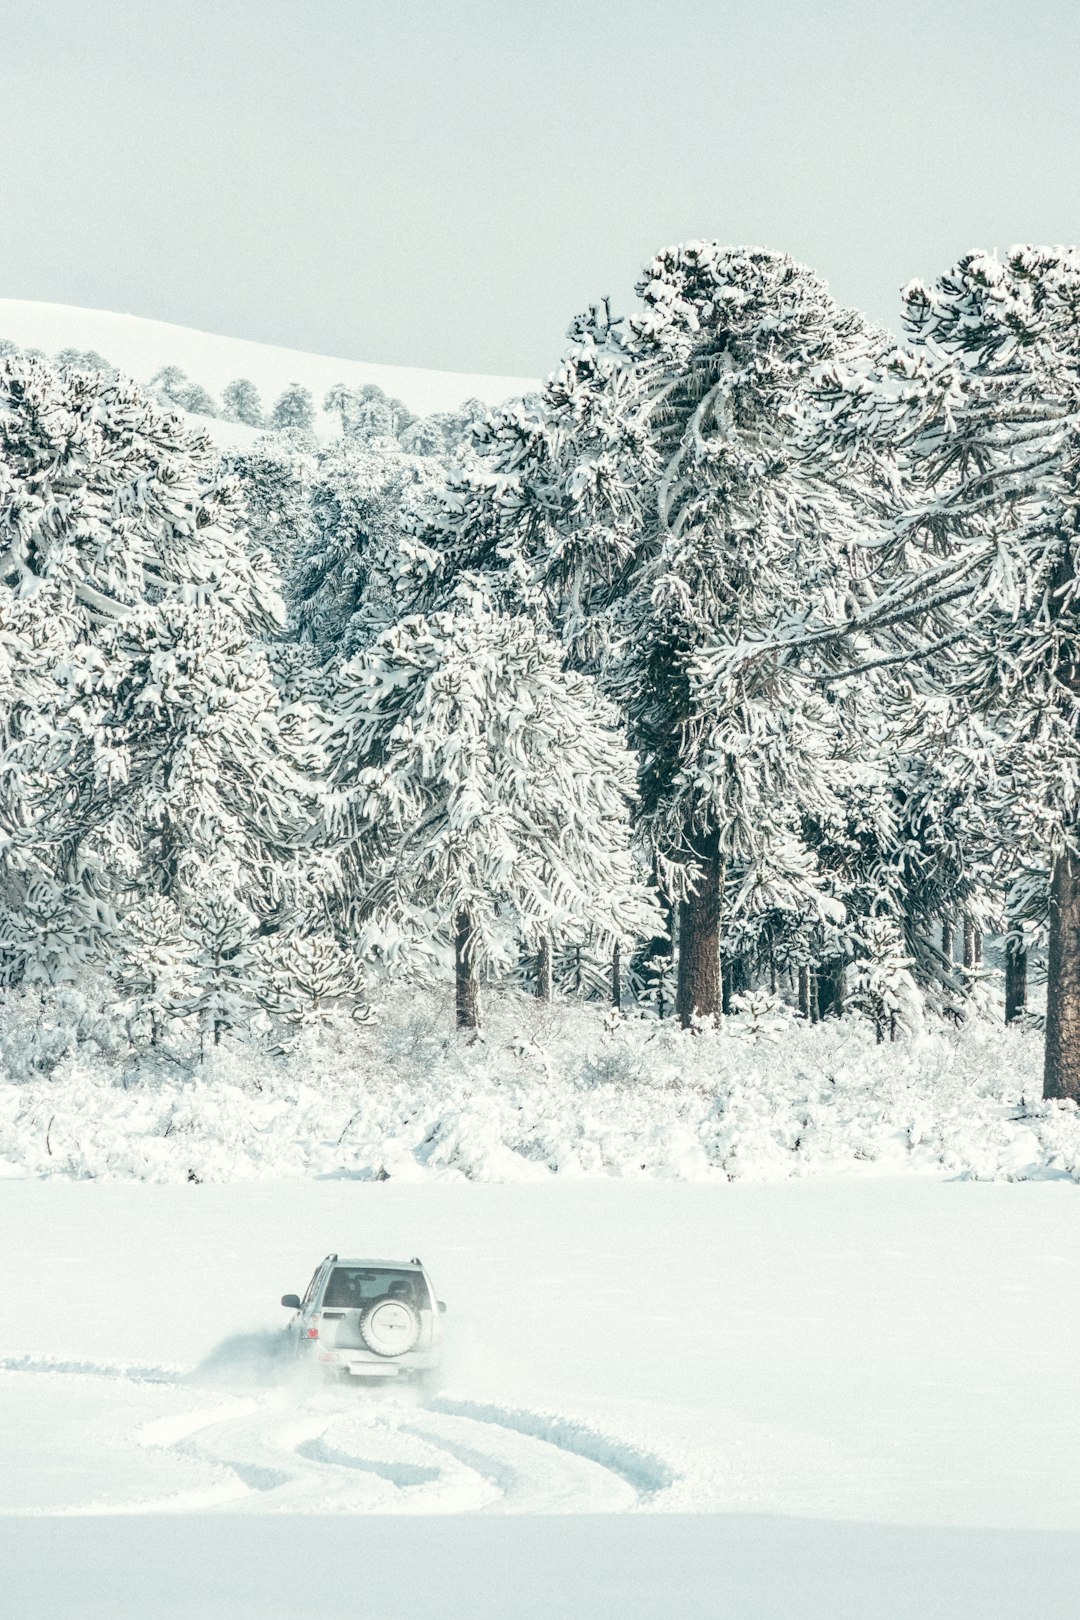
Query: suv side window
(312, 1289)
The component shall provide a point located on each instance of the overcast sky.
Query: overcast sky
(445, 182)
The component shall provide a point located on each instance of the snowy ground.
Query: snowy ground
(547, 1093)
(834, 1397)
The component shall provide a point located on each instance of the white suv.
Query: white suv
(369, 1319)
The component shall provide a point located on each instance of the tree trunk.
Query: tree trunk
(466, 983)
(698, 992)
(1061, 1076)
(972, 944)
(543, 971)
(735, 980)
(1015, 973)
(616, 977)
(661, 948)
(947, 940)
(804, 992)
(831, 987)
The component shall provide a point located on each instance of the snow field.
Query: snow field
(562, 1092)
(829, 1398)
(834, 1398)
(882, 1350)
(141, 347)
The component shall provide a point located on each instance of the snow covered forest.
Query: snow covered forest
(729, 683)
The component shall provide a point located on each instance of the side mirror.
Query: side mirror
(292, 1301)
(442, 1307)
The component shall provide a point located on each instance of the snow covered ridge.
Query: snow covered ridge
(544, 1093)
(142, 347)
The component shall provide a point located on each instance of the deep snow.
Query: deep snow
(845, 1384)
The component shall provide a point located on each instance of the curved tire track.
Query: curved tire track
(289, 1449)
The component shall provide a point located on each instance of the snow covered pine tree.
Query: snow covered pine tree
(294, 409)
(654, 508)
(975, 427)
(148, 748)
(492, 794)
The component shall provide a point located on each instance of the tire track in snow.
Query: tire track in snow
(532, 1475)
(318, 1462)
(645, 1472)
(129, 1370)
(283, 1450)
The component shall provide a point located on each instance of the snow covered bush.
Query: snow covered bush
(881, 984)
(572, 1093)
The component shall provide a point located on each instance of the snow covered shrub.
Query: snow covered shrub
(306, 979)
(542, 1094)
(880, 981)
(759, 1016)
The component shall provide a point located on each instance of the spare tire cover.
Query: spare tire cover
(389, 1327)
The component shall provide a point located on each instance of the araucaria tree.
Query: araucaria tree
(294, 409)
(240, 403)
(974, 425)
(655, 506)
(147, 747)
(492, 793)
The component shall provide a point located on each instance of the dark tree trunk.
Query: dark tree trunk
(1061, 1077)
(972, 944)
(736, 979)
(947, 940)
(698, 993)
(653, 959)
(804, 992)
(466, 982)
(543, 971)
(831, 987)
(1061, 1068)
(1015, 974)
(616, 977)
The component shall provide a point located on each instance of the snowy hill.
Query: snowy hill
(141, 347)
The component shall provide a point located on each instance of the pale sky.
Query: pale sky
(445, 182)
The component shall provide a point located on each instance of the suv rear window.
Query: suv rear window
(354, 1286)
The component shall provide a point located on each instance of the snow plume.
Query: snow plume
(542, 1093)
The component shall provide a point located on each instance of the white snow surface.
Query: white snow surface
(766, 1322)
(831, 1397)
(561, 1092)
(141, 347)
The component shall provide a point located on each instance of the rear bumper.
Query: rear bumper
(363, 1364)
